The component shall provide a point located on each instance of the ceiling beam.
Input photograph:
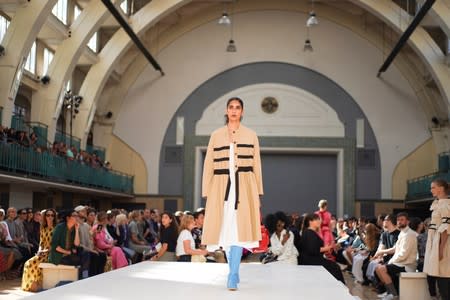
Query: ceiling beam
(118, 16)
(405, 36)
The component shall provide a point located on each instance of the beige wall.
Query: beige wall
(124, 159)
(340, 54)
(381, 207)
(420, 162)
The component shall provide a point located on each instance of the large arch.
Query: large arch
(113, 50)
(421, 42)
(47, 100)
(22, 32)
(358, 182)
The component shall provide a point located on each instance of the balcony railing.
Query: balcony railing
(23, 161)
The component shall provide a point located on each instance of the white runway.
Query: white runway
(164, 280)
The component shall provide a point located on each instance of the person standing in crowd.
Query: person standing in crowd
(313, 248)
(169, 236)
(32, 274)
(325, 228)
(437, 254)
(232, 186)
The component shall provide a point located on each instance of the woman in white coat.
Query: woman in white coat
(281, 239)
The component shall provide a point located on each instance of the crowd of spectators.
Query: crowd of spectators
(60, 149)
(373, 250)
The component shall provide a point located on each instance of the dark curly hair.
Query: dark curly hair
(271, 221)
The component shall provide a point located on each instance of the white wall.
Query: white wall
(299, 113)
(349, 60)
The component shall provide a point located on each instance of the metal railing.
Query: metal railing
(24, 161)
(99, 151)
(67, 139)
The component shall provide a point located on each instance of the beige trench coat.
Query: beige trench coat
(215, 185)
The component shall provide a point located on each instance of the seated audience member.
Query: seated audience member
(6, 253)
(404, 259)
(104, 243)
(17, 232)
(137, 242)
(147, 229)
(281, 239)
(9, 249)
(199, 218)
(385, 250)
(361, 258)
(32, 228)
(65, 247)
(32, 274)
(123, 237)
(169, 236)
(96, 259)
(312, 248)
(185, 243)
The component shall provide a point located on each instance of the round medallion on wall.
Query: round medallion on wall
(269, 105)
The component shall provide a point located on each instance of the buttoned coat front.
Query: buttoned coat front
(216, 184)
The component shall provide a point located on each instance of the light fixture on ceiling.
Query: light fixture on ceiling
(224, 19)
(312, 20)
(308, 46)
(231, 46)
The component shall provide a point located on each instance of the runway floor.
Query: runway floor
(173, 280)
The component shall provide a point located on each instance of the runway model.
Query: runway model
(232, 186)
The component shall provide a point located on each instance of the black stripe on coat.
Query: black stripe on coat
(222, 148)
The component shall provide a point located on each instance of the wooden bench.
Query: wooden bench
(53, 274)
(413, 286)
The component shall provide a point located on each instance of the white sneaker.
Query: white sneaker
(382, 295)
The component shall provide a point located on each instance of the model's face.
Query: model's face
(436, 190)
(234, 111)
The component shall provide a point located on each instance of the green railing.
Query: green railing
(27, 162)
(41, 131)
(65, 138)
(99, 151)
(419, 188)
(18, 123)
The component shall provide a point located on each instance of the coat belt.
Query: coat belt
(236, 174)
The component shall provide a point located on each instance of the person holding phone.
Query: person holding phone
(104, 243)
(232, 186)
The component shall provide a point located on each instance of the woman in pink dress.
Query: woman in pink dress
(104, 242)
(325, 227)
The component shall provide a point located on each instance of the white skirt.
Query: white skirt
(229, 230)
